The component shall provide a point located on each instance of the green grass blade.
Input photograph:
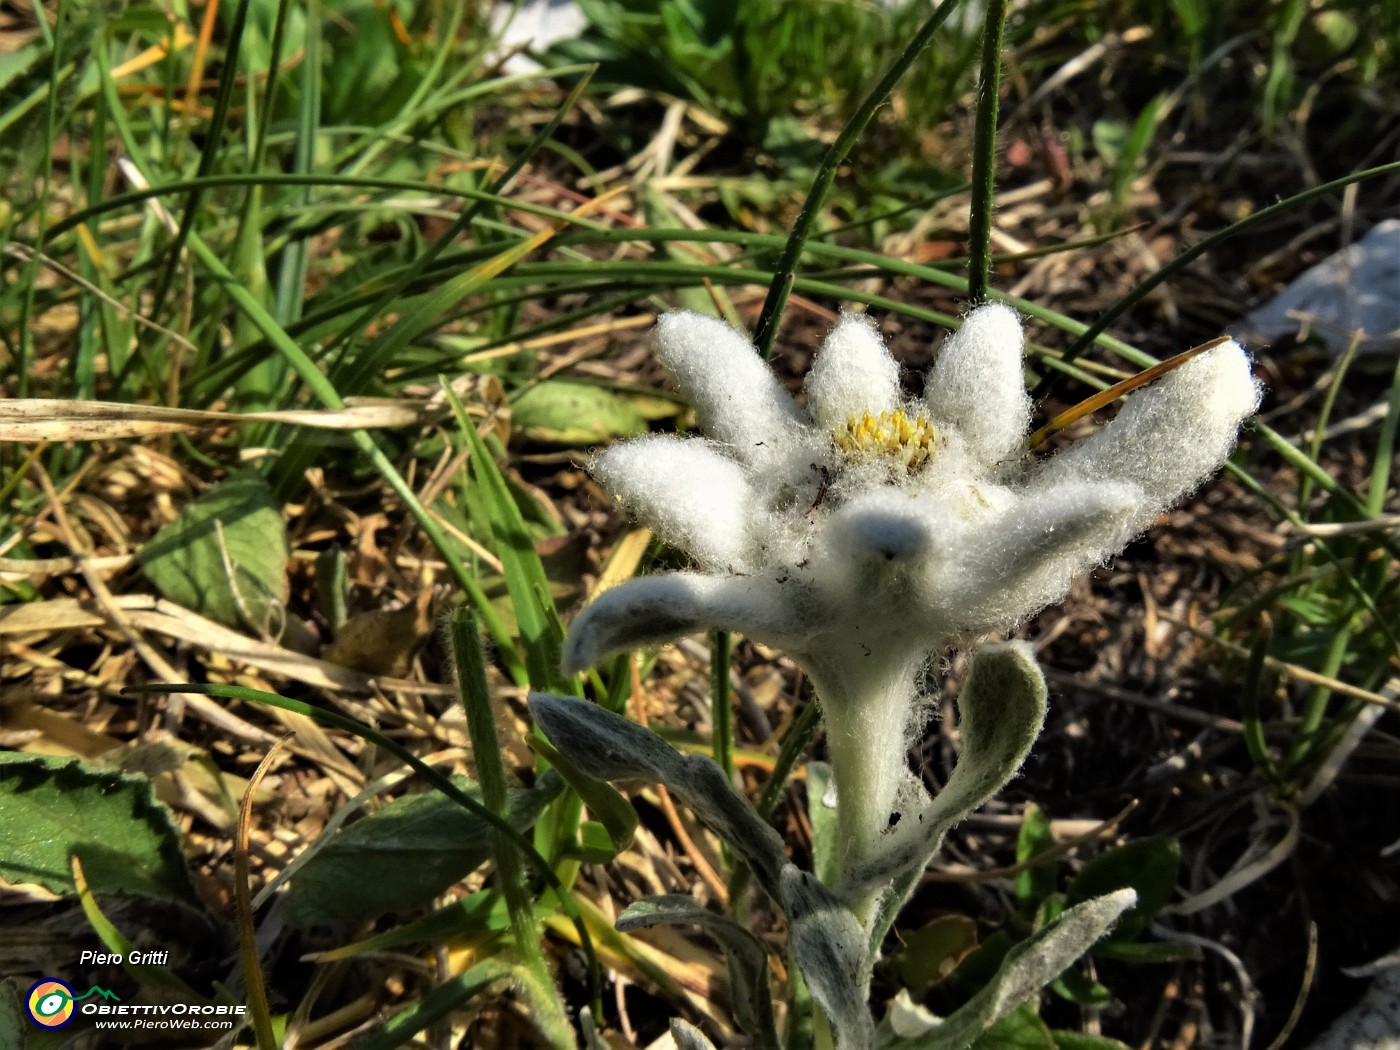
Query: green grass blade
(524, 573)
(491, 776)
(766, 330)
(1168, 270)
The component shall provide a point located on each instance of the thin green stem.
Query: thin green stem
(491, 776)
(767, 329)
(721, 656)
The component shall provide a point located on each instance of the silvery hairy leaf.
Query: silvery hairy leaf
(1028, 967)
(1001, 710)
(606, 746)
(747, 959)
(828, 945)
(687, 1037)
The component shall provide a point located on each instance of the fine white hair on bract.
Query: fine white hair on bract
(866, 532)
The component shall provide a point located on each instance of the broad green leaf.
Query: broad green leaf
(562, 412)
(53, 809)
(1022, 1029)
(1148, 866)
(934, 950)
(1034, 884)
(402, 856)
(1110, 138)
(225, 556)
(747, 959)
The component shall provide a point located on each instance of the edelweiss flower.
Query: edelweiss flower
(866, 531)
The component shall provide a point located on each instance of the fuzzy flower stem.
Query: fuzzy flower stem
(984, 150)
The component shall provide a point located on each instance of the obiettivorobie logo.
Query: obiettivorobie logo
(52, 1004)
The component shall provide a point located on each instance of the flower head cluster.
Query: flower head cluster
(866, 530)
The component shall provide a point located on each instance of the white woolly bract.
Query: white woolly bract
(741, 403)
(977, 386)
(852, 373)
(688, 493)
(1171, 436)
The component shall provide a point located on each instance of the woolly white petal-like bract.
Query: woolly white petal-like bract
(977, 386)
(656, 609)
(740, 401)
(1172, 435)
(687, 493)
(852, 373)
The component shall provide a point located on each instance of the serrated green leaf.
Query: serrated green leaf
(52, 809)
(225, 556)
(402, 856)
(562, 412)
(1148, 866)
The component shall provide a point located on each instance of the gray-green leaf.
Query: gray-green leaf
(1029, 967)
(225, 556)
(606, 746)
(403, 856)
(745, 954)
(52, 809)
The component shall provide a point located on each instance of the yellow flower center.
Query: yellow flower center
(890, 435)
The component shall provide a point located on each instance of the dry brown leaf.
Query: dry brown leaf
(54, 419)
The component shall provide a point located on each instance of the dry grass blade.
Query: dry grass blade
(56, 419)
(1120, 389)
(1246, 873)
(247, 934)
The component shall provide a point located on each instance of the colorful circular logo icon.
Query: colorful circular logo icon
(50, 1003)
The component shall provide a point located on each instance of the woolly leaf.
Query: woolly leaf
(744, 953)
(53, 809)
(225, 555)
(829, 947)
(687, 1037)
(1001, 709)
(1029, 966)
(606, 746)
